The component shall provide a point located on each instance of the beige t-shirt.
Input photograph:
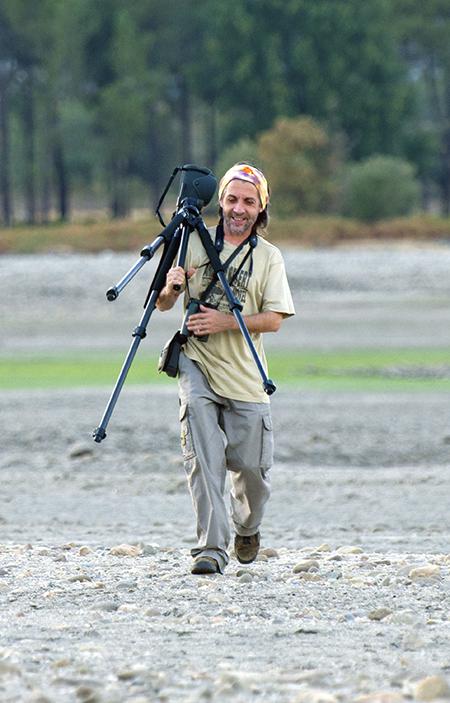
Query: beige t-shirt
(225, 358)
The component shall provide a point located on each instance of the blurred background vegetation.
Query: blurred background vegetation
(344, 104)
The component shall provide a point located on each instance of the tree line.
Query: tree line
(105, 98)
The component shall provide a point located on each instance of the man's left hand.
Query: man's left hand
(210, 321)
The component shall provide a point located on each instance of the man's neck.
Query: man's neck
(236, 239)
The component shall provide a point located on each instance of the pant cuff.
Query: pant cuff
(219, 555)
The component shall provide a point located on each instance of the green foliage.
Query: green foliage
(297, 159)
(380, 187)
(136, 88)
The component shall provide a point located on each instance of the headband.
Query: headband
(244, 172)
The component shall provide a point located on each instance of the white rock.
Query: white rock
(431, 688)
(309, 576)
(128, 608)
(350, 549)
(425, 571)
(269, 553)
(404, 617)
(379, 613)
(152, 612)
(313, 695)
(380, 697)
(125, 550)
(305, 565)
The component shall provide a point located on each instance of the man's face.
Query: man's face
(241, 206)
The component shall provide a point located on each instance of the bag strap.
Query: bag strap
(252, 241)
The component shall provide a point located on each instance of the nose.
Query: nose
(238, 207)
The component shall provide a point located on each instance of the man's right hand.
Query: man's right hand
(169, 296)
(176, 277)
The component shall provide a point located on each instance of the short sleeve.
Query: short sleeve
(277, 295)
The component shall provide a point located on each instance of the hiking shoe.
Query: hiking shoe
(205, 565)
(246, 548)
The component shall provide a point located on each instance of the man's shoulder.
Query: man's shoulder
(268, 249)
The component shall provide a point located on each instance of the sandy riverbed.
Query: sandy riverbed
(335, 609)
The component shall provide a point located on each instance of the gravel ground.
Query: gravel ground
(349, 600)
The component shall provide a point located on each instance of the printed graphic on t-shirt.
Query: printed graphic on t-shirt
(216, 296)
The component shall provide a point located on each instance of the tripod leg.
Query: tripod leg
(138, 334)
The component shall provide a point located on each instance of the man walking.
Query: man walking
(224, 412)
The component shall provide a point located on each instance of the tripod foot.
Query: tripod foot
(269, 387)
(99, 434)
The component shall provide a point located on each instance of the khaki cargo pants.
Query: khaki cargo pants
(219, 434)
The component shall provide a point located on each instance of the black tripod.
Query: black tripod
(197, 188)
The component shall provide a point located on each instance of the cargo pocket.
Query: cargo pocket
(266, 443)
(187, 446)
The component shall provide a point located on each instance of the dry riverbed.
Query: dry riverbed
(349, 600)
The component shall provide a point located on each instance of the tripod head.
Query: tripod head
(197, 187)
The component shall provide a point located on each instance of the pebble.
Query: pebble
(108, 606)
(431, 688)
(349, 549)
(128, 608)
(309, 576)
(315, 696)
(305, 565)
(86, 694)
(39, 697)
(127, 585)
(152, 612)
(270, 553)
(404, 617)
(84, 551)
(149, 550)
(380, 697)
(80, 577)
(125, 550)
(77, 451)
(246, 578)
(425, 571)
(379, 613)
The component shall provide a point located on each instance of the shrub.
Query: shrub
(379, 188)
(296, 156)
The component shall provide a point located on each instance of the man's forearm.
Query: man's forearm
(167, 298)
(261, 322)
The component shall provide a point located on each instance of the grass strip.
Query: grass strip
(356, 370)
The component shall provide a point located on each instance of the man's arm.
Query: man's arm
(210, 321)
(168, 296)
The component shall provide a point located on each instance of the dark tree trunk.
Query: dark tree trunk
(184, 113)
(120, 197)
(156, 160)
(445, 176)
(46, 188)
(5, 173)
(29, 142)
(211, 131)
(61, 177)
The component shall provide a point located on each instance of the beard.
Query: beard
(238, 227)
